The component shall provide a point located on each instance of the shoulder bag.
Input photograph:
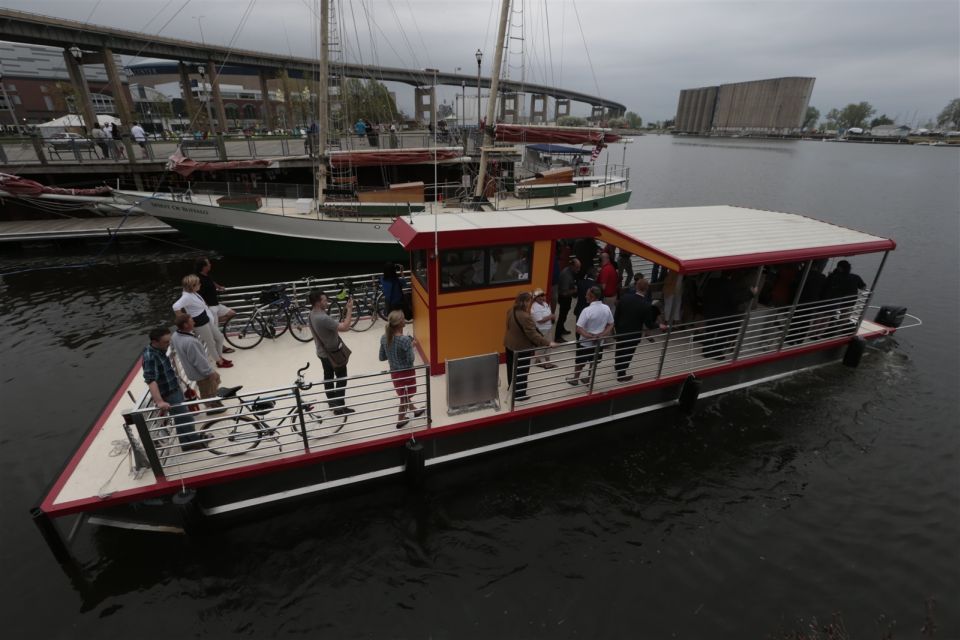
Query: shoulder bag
(338, 357)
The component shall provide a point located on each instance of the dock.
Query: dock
(81, 228)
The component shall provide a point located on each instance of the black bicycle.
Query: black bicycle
(275, 312)
(236, 434)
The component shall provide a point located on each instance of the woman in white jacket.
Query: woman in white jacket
(205, 325)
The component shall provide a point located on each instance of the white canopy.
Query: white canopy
(72, 121)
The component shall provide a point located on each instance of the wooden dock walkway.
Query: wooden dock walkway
(76, 228)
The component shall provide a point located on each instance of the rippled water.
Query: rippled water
(833, 491)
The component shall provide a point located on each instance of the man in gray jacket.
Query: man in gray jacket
(192, 355)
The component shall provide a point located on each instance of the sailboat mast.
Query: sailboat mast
(492, 101)
(323, 95)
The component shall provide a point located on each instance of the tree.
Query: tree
(571, 121)
(633, 120)
(833, 118)
(367, 99)
(883, 119)
(950, 115)
(856, 115)
(811, 117)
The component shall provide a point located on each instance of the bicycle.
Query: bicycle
(276, 313)
(237, 434)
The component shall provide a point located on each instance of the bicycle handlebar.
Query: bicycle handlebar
(303, 386)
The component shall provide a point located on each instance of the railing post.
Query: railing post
(148, 445)
(513, 380)
(663, 354)
(594, 364)
(38, 147)
(793, 309)
(140, 460)
(303, 423)
(873, 287)
(746, 316)
(429, 406)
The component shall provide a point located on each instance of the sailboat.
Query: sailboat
(320, 228)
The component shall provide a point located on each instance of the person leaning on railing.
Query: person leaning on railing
(165, 389)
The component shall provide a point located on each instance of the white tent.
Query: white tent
(71, 122)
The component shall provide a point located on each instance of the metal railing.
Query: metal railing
(650, 355)
(615, 179)
(277, 423)
(34, 149)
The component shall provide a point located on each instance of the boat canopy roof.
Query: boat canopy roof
(559, 149)
(684, 239)
(530, 133)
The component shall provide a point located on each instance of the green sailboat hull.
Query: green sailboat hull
(250, 244)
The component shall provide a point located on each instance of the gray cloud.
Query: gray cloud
(903, 57)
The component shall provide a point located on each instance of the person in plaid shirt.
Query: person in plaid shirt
(165, 389)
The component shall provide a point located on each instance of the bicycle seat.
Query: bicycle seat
(228, 392)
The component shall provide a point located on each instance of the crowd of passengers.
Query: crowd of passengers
(609, 300)
(198, 344)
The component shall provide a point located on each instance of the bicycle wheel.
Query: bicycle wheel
(233, 436)
(244, 332)
(299, 325)
(335, 310)
(276, 318)
(364, 312)
(383, 309)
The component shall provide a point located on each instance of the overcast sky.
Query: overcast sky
(903, 57)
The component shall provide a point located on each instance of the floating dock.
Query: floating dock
(81, 228)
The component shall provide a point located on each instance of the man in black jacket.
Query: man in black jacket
(633, 314)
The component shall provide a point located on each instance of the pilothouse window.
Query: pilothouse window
(474, 268)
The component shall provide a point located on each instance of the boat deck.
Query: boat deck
(68, 228)
(102, 467)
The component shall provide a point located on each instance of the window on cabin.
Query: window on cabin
(420, 268)
(474, 268)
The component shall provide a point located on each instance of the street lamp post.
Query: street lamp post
(479, 56)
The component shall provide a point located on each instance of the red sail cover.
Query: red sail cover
(180, 164)
(392, 156)
(17, 186)
(564, 135)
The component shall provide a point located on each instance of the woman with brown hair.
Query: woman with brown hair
(521, 334)
(397, 348)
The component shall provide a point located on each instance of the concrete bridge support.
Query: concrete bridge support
(538, 108)
(424, 98)
(561, 108)
(265, 98)
(219, 109)
(597, 112)
(508, 108)
(79, 82)
(193, 109)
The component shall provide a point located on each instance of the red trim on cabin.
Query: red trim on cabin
(402, 231)
(412, 240)
(171, 486)
(778, 257)
(433, 277)
(47, 503)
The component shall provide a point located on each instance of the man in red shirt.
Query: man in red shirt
(608, 280)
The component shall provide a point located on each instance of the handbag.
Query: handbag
(339, 356)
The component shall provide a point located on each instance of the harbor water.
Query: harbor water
(831, 495)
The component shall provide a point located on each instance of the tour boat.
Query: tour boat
(279, 441)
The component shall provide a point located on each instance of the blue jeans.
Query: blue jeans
(182, 422)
